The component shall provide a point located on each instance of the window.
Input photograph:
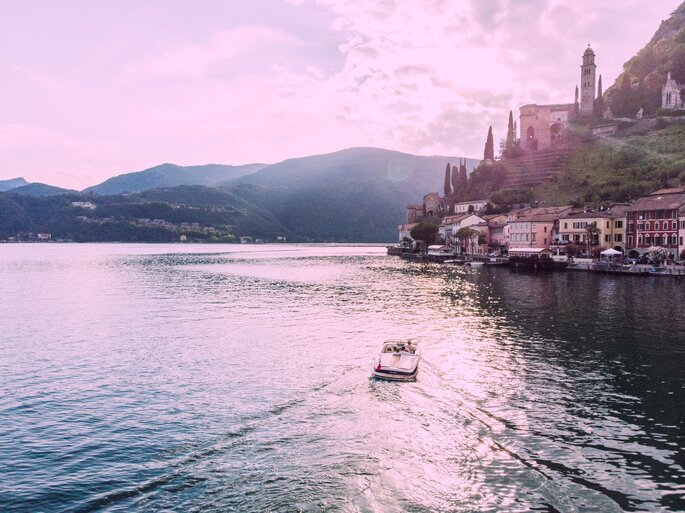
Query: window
(533, 238)
(640, 226)
(674, 225)
(656, 225)
(608, 224)
(674, 239)
(618, 237)
(565, 226)
(659, 214)
(681, 241)
(607, 238)
(639, 240)
(648, 239)
(665, 239)
(618, 224)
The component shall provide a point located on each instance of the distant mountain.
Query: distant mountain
(639, 86)
(6, 185)
(171, 175)
(40, 189)
(355, 166)
(358, 194)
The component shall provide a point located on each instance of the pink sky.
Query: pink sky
(94, 89)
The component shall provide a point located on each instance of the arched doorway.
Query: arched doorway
(530, 133)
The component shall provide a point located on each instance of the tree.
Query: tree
(572, 250)
(591, 236)
(599, 102)
(465, 235)
(511, 136)
(425, 231)
(463, 176)
(455, 180)
(489, 152)
(657, 255)
(448, 184)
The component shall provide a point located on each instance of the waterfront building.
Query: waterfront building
(536, 227)
(610, 225)
(497, 233)
(653, 221)
(451, 225)
(404, 230)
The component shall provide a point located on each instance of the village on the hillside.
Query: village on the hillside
(648, 230)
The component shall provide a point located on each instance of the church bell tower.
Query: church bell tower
(587, 80)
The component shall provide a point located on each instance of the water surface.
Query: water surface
(236, 378)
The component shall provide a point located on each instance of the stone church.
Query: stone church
(547, 126)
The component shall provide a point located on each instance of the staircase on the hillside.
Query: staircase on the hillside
(536, 168)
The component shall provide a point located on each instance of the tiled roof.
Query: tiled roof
(660, 201)
(543, 215)
(457, 218)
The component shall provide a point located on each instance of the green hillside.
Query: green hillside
(40, 189)
(619, 169)
(644, 74)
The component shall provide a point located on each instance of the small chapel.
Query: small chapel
(672, 97)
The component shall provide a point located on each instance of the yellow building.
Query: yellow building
(610, 224)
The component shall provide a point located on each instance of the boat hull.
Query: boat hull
(395, 375)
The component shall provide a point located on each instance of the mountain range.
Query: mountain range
(353, 195)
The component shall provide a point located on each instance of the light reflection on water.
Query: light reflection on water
(215, 378)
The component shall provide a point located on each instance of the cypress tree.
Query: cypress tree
(463, 177)
(489, 153)
(511, 136)
(599, 102)
(455, 180)
(448, 183)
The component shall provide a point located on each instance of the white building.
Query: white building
(463, 207)
(452, 224)
(671, 97)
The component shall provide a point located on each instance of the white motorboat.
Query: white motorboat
(475, 263)
(397, 361)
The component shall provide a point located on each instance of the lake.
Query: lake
(236, 378)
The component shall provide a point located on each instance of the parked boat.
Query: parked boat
(398, 360)
(475, 263)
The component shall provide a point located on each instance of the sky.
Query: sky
(92, 89)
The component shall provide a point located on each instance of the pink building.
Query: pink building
(535, 228)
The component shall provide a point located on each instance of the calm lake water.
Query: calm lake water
(236, 378)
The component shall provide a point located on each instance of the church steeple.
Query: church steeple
(587, 81)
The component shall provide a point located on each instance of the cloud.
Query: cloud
(281, 78)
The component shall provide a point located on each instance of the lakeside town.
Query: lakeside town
(642, 235)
